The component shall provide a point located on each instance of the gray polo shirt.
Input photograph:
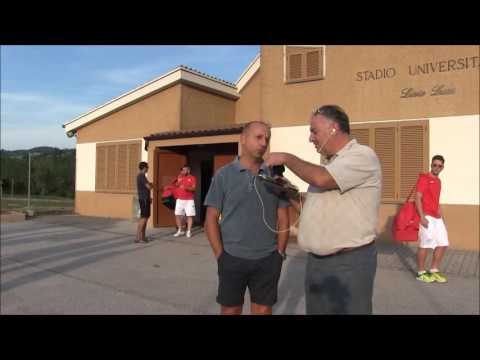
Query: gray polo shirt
(232, 192)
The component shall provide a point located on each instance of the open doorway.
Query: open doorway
(204, 160)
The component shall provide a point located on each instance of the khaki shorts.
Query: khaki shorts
(434, 235)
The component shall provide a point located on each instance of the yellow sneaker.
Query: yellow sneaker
(425, 277)
(436, 276)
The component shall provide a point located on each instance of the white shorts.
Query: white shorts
(185, 207)
(433, 236)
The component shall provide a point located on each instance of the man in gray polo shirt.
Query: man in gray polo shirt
(248, 227)
(339, 218)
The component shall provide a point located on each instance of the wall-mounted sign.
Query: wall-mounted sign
(437, 90)
(464, 63)
(377, 74)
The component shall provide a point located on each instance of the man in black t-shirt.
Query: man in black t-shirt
(144, 199)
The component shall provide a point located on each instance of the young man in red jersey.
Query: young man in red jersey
(432, 233)
(185, 205)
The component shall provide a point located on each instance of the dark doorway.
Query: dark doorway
(206, 180)
(204, 160)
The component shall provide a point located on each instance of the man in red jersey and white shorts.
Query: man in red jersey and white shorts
(432, 232)
(185, 205)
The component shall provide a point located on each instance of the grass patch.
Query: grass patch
(38, 204)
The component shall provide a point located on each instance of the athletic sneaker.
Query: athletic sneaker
(436, 276)
(179, 233)
(189, 234)
(425, 277)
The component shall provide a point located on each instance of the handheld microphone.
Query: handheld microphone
(278, 170)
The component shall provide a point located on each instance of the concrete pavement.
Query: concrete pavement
(69, 264)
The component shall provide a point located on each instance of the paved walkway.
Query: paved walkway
(82, 265)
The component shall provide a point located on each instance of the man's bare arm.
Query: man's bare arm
(419, 206)
(213, 231)
(283, 223)
(312, 174)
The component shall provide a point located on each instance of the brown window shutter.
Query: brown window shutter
(384, 145)
(361, 135)
(304, 63)
(122, 168)
(412, 152)
(100, 168)
(111, 166)
(133, 160)
(295, 67)
(313, 63)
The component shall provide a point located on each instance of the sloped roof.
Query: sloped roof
(179, 74)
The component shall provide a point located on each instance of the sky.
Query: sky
(43, 87)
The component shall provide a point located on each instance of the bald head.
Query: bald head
(252, 124)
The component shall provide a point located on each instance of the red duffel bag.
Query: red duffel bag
(406, 222)
(169, 197)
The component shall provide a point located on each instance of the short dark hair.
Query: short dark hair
(438, 157)
(336, 114)
(142, 165)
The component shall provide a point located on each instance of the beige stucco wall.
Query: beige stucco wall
(294, 139)
(85, 167)
(371, 100)
(457, 139)
(203, 110)
(109, 205)
(247, 108)
(157, 113)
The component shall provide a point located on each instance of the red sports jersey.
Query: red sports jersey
(187, 181)
(430, 187)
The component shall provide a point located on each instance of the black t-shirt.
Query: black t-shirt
(143, 191)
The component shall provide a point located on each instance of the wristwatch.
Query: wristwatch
(283, 255)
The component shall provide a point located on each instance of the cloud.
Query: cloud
(205, 58)
(132, 75)
(33, 119)
(29, 108)
(29, 119)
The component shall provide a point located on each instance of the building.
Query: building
(407, 102)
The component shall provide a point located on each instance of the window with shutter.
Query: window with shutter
(122, 167)
(304, 63)
(117, 167)
(411, 156)
(133, 161)
(101, 168)
(295, 68)
(313, 62)
(111, 166)
(362, 135)
(384, 146)
(402, 148)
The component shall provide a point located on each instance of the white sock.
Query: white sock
(421, 272)
(433, 270)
